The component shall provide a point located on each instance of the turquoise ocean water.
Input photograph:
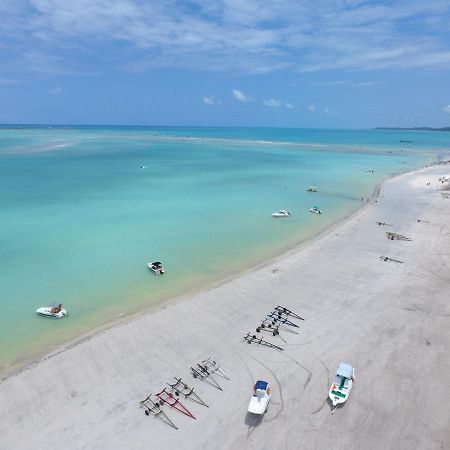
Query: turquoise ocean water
(82, 210)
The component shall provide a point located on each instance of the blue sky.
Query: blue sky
(293, 63)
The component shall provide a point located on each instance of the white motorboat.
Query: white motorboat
(281, 213)
(315, 210)
(156, 267)
(56, 311)
(342, 385)
(311, 189)
(261, 398)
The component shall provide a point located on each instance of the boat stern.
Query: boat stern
(258, 405)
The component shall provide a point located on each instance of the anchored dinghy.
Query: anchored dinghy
(56, 311)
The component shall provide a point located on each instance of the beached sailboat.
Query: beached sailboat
(261, 398)
(315, 210)
(342, 385)
(251, 338)
(281, 213)
(154, 408)
(56, 311)
(156, 267)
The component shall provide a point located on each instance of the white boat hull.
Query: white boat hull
(47, 311)
(339, 392)
(281, 213)
(258, 405)
(155, 271)
(338, 396)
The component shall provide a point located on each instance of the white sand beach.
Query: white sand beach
(389, 320)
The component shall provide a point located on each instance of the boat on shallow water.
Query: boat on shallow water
(311, 189)
(342, 385)
(261, 398)
(315, 210)
(56, 311)
(156, 267)
(281, 213)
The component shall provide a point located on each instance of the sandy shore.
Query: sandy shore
(389, 320)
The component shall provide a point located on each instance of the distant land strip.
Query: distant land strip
(414, 128)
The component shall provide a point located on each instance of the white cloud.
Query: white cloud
(312, 108)
(56, 91)
(234, 36)
(275, 103)
(330, 83)
(240, 96)
(368, 83)
(349, 83)
(209, 100)
(446, 109)
(327, 111)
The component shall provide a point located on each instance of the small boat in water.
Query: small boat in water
(342, 385)
(311, 189)
(315, 210)
(56, 311)
(156, 267)
(281, 213)
(261, 398)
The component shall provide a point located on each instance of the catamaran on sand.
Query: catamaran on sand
(56, 311)
(260, 399)
(342, 385)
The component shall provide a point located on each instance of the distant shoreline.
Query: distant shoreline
(413, 128)
(25, 126)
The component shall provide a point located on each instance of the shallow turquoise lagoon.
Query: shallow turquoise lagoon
(82, 210)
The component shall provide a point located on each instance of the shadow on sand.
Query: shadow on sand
(253, 420)
(334, 409)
